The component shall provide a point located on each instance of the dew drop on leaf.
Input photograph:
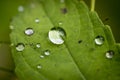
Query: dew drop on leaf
(37, 20)
(60, 23)
(12, 44)
(20, 8)
(57, 35)
(42, 56)
(47, 52)
(29, 31)
(38, 45)
(99, 40)
(20, 47)
(39, 66)
(109, 54)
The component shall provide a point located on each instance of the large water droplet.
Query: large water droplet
(109, 54)
(20, 8)
(47, 52)
(37, 20)
(38, 45)
(99, 40)
(29, 31)
(57, 35)
(39, 66)
(20, 47)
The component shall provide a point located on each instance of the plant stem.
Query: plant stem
(92, 5)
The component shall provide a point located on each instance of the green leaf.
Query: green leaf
(78, 58)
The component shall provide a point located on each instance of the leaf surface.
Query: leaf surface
(78, 58)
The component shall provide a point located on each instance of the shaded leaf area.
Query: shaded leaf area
(78, 58)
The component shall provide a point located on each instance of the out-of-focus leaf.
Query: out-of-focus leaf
(78, 58)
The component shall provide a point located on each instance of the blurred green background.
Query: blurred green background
(108, 11)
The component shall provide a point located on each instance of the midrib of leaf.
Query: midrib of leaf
(75, 63)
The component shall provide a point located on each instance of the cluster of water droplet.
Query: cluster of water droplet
(99, 40)
(56, 36)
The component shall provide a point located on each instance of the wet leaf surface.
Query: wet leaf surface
(69, 60)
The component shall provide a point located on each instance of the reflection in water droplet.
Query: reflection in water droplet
(109, 54)
(39, 66)
(41, 56)
(99, 40)
(29, 31)
(37, 20)
(38, 45)
(20, 8)
(47, 52)
(57, 35)
(20, 47)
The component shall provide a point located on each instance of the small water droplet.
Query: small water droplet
(12, 44)
(20, 47)
(47, 52)
(41, 56)
(39, 66)
(109, 54)
(20, 8)
(60, 23)
(38, 45)
(11, 27)
(29, 31)
(57, 35)
(99, 40)
(37, 20)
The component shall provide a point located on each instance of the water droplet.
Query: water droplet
(20, 8)
(99, 40)
(41, 56)
(57, 35)
(11, 27)
(29, 31)
(60, 23)
(20, 47)
(12, 44)
(38, 45)
(47, 52)
(37, 20)
(39, 66)
(109, 54)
